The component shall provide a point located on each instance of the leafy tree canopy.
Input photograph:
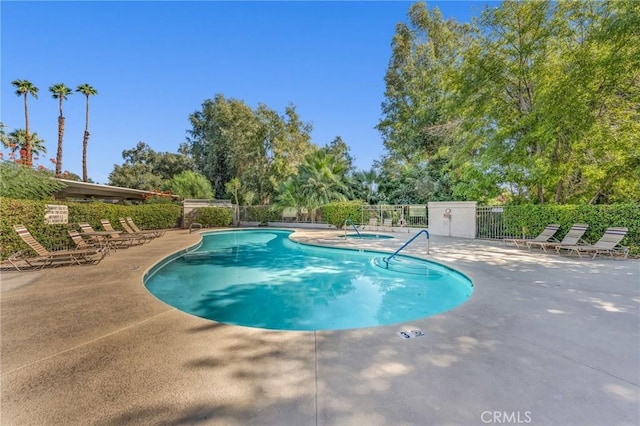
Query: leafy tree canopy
(536, 101)
(147, 169)
(260, 147)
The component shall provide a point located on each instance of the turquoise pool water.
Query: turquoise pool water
(263, 279)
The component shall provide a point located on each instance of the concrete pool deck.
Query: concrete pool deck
(544, 339)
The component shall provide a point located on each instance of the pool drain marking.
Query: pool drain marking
(410, 334)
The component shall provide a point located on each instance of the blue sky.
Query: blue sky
(154, 63)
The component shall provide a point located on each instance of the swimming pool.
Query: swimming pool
(260, 278)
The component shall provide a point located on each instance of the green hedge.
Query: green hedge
(31, 214)
(532, 219)
(337, 213)
(210, 216)
(263, 214)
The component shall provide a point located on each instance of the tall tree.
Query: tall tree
(261, 148)
(416, 121)
(217, 131)
(502, 100)
(592, 85)
(548, 98)
(287, 146)
(60, 91)
(87, 91)
(147, 169)
(535, 101)
(24, 88)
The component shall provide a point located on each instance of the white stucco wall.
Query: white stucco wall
(458, 221)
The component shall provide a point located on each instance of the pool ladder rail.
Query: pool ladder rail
(350, 222)
(424, 231)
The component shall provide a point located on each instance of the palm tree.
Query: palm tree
(3, 134)
(60, 91)
(189, 184)
(366, 184)
(86, 90)
(322, 178)
(24, 88)
(17, 141)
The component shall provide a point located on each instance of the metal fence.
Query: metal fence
(380, 215)
(490, 222)
(395, 215)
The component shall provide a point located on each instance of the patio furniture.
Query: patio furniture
(110, 238)
(573, 238)
(141, 238)
(82, 244)
(158, 232)
(545, 235)
(609, 243)
(130, 231)
(43, 258)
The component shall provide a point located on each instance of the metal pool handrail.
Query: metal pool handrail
(347, 222)
(424, 231)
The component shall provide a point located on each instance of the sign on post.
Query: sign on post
(56, 215)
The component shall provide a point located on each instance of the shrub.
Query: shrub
(263, 214)
(22, 182)
(337, 213)
(210, 216)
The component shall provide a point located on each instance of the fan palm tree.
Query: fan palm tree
(189, 184)
(60, 91)
(3, 134)
(24, 88)
(86, 90)
(322, 179)
(366, 184)
(17, 141)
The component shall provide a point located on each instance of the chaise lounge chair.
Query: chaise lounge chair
(111, 239)
(82, 244)
(609, 243)
(158, 232)
(545, 235)
(130, 231)
(139, 237)
(44, 257)
(573, 238)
